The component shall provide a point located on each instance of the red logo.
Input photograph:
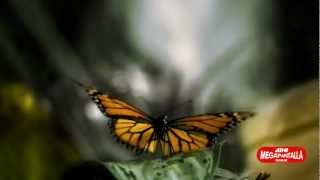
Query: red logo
(289, 154)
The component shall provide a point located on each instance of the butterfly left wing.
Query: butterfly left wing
(129, 124)
(198, 132)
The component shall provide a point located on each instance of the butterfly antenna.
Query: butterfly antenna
(89, 89)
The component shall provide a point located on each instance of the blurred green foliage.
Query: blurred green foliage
(29, 147)
(197, 165)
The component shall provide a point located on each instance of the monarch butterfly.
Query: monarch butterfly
(145, 133)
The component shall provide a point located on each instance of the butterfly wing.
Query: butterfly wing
(177, 140)
(129, 124)
(198, 132)
(138, 135)
(115, 108)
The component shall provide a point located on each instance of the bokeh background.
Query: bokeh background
(226, 55)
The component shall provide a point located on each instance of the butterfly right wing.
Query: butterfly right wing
(177, 140)
(198, 132)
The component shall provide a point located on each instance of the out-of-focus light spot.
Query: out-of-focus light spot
(132, 78)
(184, 58)
(93, 113)
(119, 80)
(28, 101)
(139, 83)
(191, 37)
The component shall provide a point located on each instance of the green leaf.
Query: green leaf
(200, 165)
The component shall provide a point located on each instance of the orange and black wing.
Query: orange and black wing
(129, 125)
(198, 132)
(115, 108)
(177, 140)
(138, 135)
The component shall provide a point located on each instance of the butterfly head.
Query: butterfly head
(163, 118)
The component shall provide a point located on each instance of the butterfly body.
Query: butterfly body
(160, 125)
(145, 133)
